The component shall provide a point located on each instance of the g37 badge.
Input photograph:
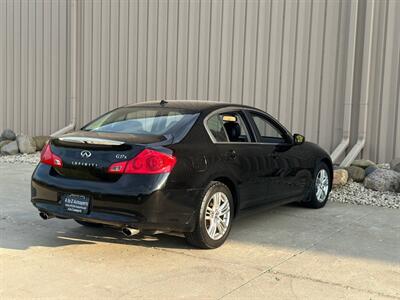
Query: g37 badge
(121, 156)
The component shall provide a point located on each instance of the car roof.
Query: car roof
(192, 105)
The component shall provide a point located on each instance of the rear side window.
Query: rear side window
(228, 127)
(235, 127)
(143, 121)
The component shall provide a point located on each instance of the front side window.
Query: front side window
(142, 121)
(267, 131)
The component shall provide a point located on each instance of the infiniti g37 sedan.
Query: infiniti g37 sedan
(178, 166)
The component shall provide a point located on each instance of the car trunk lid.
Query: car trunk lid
(88, 155)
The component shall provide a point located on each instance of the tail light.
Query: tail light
(146, 162)
(49, 158)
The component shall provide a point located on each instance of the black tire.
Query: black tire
(312, 201)
(200, 237)
(88, 224)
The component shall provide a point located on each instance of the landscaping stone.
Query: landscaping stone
(384, 166)
(355, 193)
(383, 181)
(8, 134)
(363, 163)
(30, 159)
(40, 141)
(395, 164)
(356, 173)
(26, 144)
(10, 148)
(340, 177)
(370, 169)
(4, 142)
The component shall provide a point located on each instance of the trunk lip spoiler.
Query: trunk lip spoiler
(90, 140)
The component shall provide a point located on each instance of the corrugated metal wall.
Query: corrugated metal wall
(383, 142)
(287, 57)
(33, 65)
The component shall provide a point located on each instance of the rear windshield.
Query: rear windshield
(144, 121)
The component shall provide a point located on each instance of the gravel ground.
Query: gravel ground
(356, 193)
(352, 192)
(31, 159)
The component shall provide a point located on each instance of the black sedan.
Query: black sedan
(178, 166)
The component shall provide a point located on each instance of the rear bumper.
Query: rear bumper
(130, 201)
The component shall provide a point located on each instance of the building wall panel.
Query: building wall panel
(286, 57)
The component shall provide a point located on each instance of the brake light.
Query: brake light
(146, 162)
(49, 158)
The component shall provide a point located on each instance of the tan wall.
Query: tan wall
(384, 112)
(33, 65)
(287, 57)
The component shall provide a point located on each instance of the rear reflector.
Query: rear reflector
(49, 158)
(117, 168)
(146, 162)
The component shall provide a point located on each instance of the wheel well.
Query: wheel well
(232, 187)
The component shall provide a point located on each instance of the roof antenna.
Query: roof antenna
(163, 102)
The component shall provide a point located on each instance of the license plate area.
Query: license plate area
(78, 204)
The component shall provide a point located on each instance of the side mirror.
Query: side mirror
(298, 139)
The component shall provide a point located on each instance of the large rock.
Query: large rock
(395, 164)
(356, 173)
(10, 148)
(370, 169)
(3, 143)
(40, 141)
(26, 144)
(363, 163)
(8, 134)
(340, 177)
(383, 180)
(384, 166)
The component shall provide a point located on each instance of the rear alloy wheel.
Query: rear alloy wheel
(321, 187)
(214, 218)
(217, 217)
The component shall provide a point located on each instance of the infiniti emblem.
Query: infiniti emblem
(86, 154)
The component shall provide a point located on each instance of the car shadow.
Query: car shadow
(59, 233)
(287, 227)
(80, 235)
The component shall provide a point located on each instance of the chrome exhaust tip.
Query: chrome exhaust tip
(45, 216)
(128, 231)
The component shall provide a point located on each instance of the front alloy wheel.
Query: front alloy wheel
(214, 217)
(320, 189)
(322, 185)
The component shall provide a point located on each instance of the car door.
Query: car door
(238, 154)
(284, 178)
